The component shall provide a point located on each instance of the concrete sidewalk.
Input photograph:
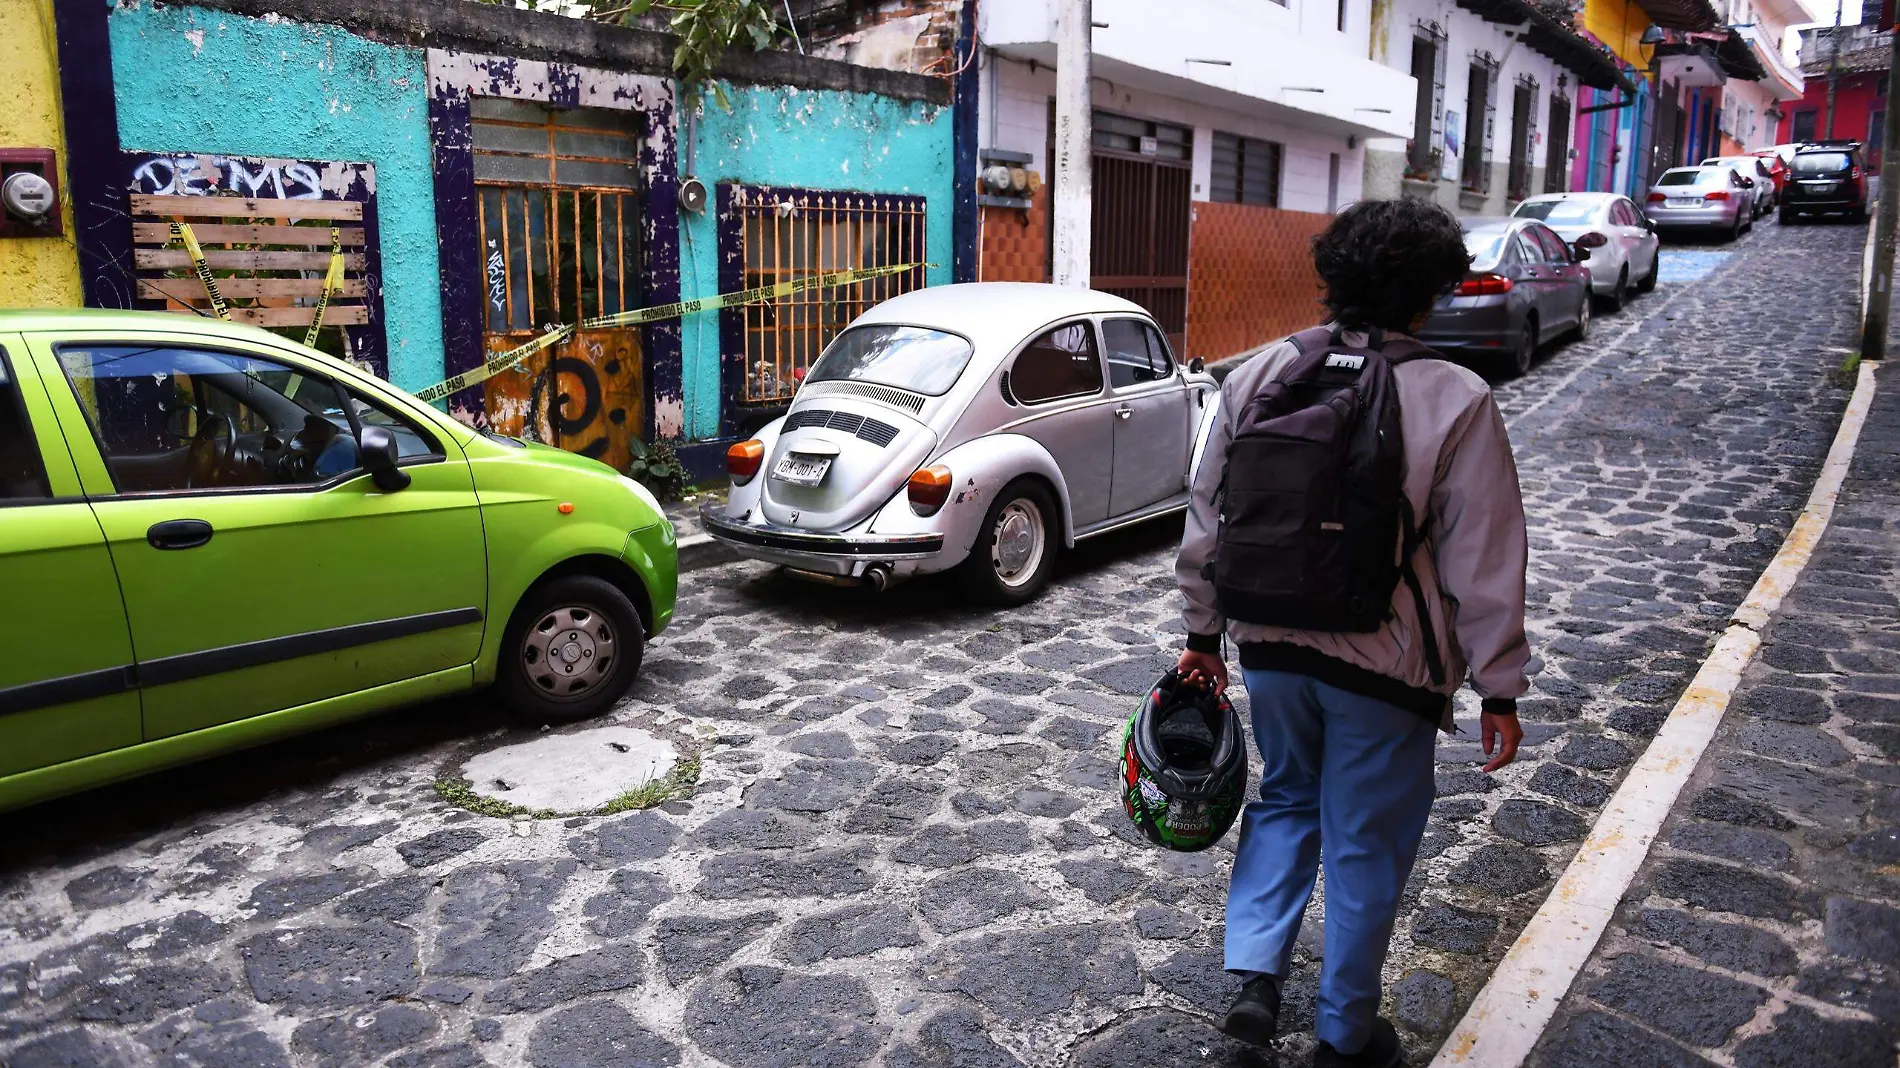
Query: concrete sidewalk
(1764, 928)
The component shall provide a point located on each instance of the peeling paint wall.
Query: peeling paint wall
(808, 139)
(199, 81)
(34, 271)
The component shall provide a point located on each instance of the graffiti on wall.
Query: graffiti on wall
(197, 174)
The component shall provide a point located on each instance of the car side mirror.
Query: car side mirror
(1196, 365)
(376, 451)
(1578, 253)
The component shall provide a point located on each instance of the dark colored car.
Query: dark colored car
(1826, 177)
(1525, 287)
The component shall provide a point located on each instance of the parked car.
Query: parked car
(1756, 175)
(1622, 243)
(1525, 287)
(1777, 169)
(211, 537)
(1826, 178)
(1708, 199)
(979, 427)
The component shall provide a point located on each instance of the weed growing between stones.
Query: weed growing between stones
(678, 783)
(460, 793)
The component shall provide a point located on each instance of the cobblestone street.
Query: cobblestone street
(904, 846)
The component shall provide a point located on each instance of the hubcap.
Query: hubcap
(569, 651)
(1016, 551)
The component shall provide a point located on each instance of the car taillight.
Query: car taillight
(928, 489)
(1479, 285)
(1657, 198)
(1853, 172)
(1592, 240)
(743, 460)
(1719, 194)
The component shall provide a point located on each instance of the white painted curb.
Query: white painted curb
(1509, 1015)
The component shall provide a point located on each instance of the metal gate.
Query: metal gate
(1666, 132)
(559, 220)
(1143, 184)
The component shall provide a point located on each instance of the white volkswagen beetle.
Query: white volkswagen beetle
(981, 427)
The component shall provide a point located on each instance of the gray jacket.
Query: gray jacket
(1461, 480)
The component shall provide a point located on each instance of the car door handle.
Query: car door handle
(179, 534)
(1124, 412)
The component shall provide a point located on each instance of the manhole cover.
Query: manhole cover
(575, 772)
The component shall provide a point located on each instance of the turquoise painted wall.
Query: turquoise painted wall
(808, 139)
(190, 80)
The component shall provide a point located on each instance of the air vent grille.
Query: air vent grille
(896, 398)
(872, 430)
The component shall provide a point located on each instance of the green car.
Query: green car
(211, 537)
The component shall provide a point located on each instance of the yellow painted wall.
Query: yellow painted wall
(1620, 25)
(34, 271)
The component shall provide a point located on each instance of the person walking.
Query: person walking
(1362, 579)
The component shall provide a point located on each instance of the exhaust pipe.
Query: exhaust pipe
(878, 577)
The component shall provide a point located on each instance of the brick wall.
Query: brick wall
(1015, 243)
(1250, 277)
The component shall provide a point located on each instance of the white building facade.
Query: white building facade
(1492, 123)
(1225, 133)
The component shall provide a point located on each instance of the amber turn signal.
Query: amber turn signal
(929, 488)
(565, 508)
(743, 460)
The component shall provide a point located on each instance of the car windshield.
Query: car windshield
(1821, 162)
(1690, 176)
(909, 357)
(1486, 246)
(1559, 212)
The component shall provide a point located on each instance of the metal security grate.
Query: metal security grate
(875, 431)
(787, 235)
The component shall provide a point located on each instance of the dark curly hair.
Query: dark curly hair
(1385, 262)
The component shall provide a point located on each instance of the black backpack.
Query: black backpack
(1315, 528)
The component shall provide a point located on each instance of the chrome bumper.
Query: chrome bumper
(779, 539)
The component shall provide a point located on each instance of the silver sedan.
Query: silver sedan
(981, 428)
(1622, 243)
(1711, 199)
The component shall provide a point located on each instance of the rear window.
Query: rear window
(909, 357)
(1559, 212)
(1485, 246)
(1690, 176)
(1822, 162)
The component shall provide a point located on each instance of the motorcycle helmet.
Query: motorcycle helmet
(1183, 765)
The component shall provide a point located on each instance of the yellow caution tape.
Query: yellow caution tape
(182, 232)
(503, 361)
(332, 281)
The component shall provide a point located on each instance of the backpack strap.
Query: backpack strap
(1306, 339)
(1412, 541)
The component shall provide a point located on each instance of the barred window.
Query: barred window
(1246, 170)
(786, 235)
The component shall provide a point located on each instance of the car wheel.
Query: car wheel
(570, 651)
(1583, 312)
(1518, 361)
(1786, 217)
(1648, 284)
(1613, 301)
(1735, 234)
(1016, 547)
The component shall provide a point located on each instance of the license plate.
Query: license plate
(1685, 202)
(802, 470)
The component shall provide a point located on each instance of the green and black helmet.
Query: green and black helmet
(1184, 765)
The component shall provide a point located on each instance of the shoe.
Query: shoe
(1255, 1017)
(1381, 1050)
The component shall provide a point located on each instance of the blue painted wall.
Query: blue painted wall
(190, 80)
(808, 139)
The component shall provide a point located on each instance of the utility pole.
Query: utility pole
(1074, 142)
(1834, 66)
(1873, 332)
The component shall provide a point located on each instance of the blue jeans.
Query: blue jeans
(1352, 778)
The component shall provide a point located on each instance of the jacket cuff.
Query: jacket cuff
(1204, 643)
(1499, 706)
